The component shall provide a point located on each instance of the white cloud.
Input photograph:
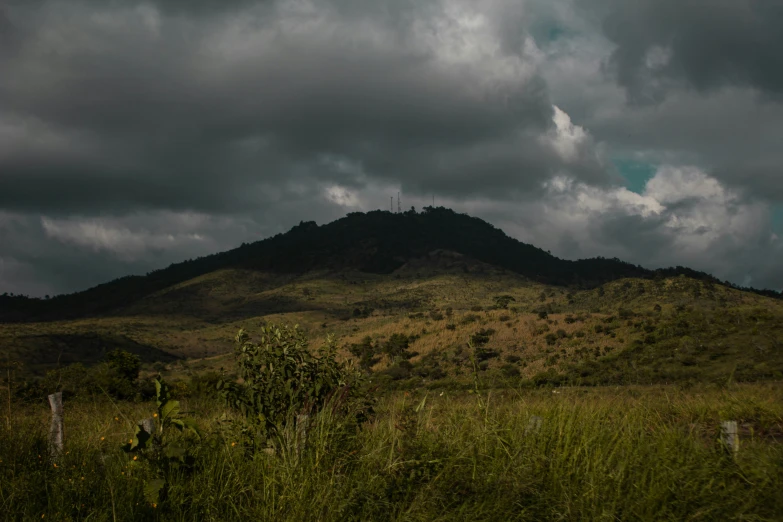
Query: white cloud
(566, 138)
(342, 196)
(127, 240)
(657, 57)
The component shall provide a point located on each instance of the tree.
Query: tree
(283, 379)
(397, 345)
(365, 351)
(502, 301)
(125, 363)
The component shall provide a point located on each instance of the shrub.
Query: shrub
(470, 318)
(398, 372)
(366, 351)
(549, 378)
(484, 354)
(126, 364)
(481, 337)
(397, 345)
(510, 370)
(282, 378)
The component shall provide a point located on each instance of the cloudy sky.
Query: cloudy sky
(134, 133)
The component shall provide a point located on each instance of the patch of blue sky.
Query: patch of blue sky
(636, 173)
(547, 33)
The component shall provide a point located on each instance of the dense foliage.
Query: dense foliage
(282, 380)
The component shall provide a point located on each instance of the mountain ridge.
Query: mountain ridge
(377, 242)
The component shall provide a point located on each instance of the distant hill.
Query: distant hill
(377, 242)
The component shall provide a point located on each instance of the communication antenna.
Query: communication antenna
(399, 209)
(433, 201)
(391, 203)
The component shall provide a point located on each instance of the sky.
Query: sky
(134, 134)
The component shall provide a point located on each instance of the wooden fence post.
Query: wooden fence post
(148, 424)
(534, 424)
(730, 436)
(56, 434)
(302, 422)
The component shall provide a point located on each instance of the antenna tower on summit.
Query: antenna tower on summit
(399, 208)
(391, 203)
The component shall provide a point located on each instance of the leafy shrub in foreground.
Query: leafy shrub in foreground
(283, 379)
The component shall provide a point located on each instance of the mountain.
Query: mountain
(432, 281)
(377, 242)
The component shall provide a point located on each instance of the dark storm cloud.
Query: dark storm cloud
(730, 133)
(706, 45)
(134, 134)
(148, 109)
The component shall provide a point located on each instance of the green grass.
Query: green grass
(630, 453)
(700, 331)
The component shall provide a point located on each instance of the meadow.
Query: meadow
(498, 398)
(601, 453)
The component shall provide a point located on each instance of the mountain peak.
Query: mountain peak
(379, 242)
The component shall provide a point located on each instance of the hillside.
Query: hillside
(359, 278)
(377, 242)
(630, 330)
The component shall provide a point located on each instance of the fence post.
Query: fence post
(56, 434)
(302, 422)
(148, 424)
(534, 424)
(730, 436)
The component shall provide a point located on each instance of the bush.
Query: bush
(366, 352)
(282, 379)
(117, 377)
(470, 318)
(398, 372)
(397, 346)
(549, 378)
(126, 364)
(481, 337)
(509, 370)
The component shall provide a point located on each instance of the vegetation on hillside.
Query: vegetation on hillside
(377, 242)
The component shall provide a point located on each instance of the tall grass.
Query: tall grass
(622, 454)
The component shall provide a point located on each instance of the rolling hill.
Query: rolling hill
(435, 278)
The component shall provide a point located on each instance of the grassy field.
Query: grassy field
(616, 453)
(666, 362)
(628, 331)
